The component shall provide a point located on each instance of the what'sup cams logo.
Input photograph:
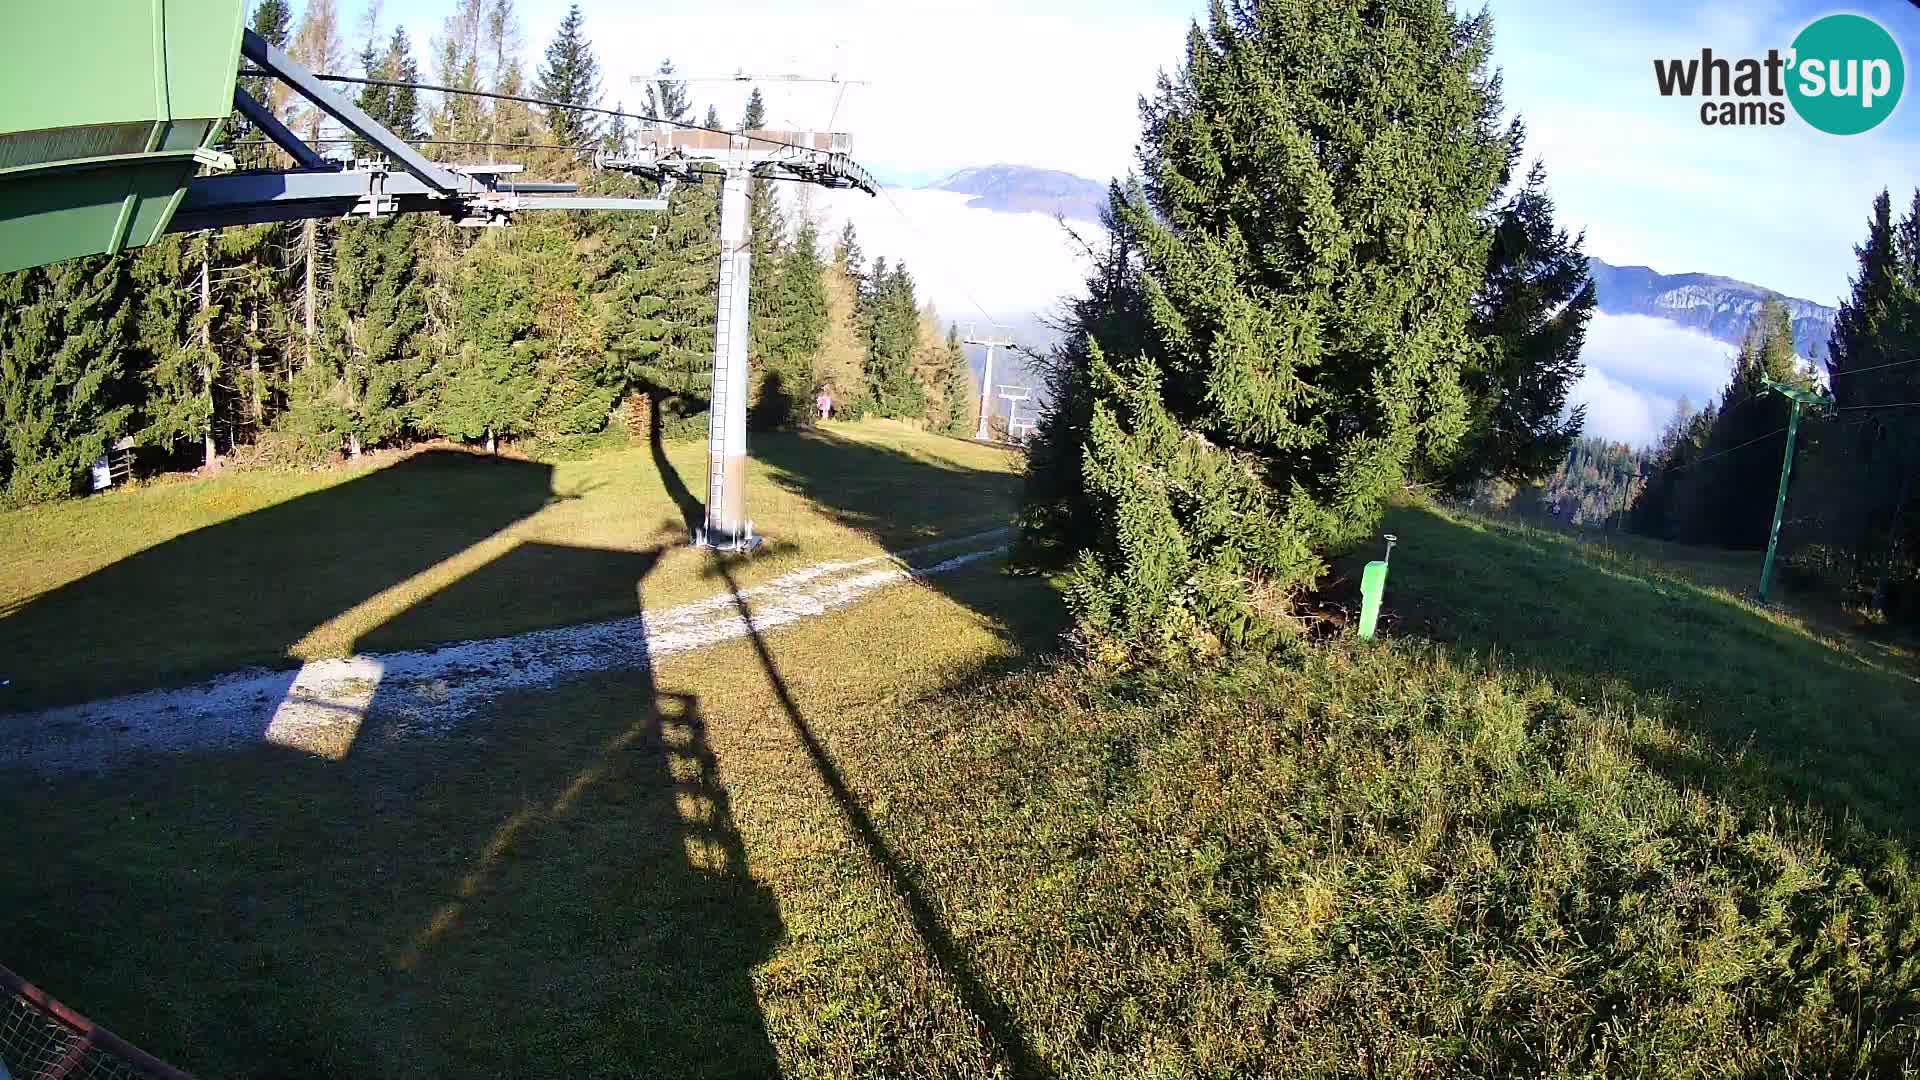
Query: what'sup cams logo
(1843, 75)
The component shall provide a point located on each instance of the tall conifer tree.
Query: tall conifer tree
(1311, 233)
(571, 75)
(1530, 316)
(66, 337)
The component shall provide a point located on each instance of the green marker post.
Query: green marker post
(1373, 589)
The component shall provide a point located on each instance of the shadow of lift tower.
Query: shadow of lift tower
(672, 156)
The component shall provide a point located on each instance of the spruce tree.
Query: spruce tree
(403, 104)
(486, 385)
(847, 257)
(791, 335)
(252, 324)
(1864, 328)
(1728, 501)
(1860, 498)
(713, 118)
(1679, 443)
(1530, 316)
(956, 393)
(667, 97)
(358, 392)
(179, 368)
(272, 20)
(766, 235)
(1057, 513)
(571, 75)
(396, 107)
(66, 334)
(579, 380)
(893, 332)
(1311, 234)
(618, 139)
(653, 279)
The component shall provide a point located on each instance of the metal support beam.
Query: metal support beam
(262, 117)
(727, 527)
(585, 202)
(280, 65)
(1799, 398)
(212, 202)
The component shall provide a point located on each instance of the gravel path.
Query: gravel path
(321, 707)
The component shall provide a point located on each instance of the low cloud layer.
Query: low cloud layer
(961, 259)
(1638, 367)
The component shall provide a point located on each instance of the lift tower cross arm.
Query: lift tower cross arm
(469, 194)
(993, 337)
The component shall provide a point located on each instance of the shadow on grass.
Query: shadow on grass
(556, 889)
(1002, 1029)
(1808, 722)
(692, 512)
(899, 499)
(560, 894)
(260, 582)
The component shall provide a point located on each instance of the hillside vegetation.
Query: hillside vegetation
(1579, 815)
(1616, 822)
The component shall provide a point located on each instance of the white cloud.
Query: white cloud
(1638, 367)
(1620, 412)
(1009, 264)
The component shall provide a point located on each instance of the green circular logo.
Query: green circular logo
(1847, 74)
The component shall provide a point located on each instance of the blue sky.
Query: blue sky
(1053, 83)
(1778, 206)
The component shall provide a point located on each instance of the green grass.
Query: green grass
(1811, 713)
(1581, 813)
(174, 581)
(637, 874)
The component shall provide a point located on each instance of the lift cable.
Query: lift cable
(958, 279)
(1876, 367)
(401, 84)
(1729, 450)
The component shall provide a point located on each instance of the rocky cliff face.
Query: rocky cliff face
(1720, 307)
(1020, 189)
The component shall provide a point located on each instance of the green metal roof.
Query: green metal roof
(106, 108)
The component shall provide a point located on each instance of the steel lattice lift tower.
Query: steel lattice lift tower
(993, 337)
(675, 155)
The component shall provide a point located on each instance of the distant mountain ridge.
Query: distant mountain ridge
(1022, 189)
(1722, 307)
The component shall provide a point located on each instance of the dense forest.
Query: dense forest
(303, 342)
(1851, 517)
(1713, 476)
(1594, 486)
